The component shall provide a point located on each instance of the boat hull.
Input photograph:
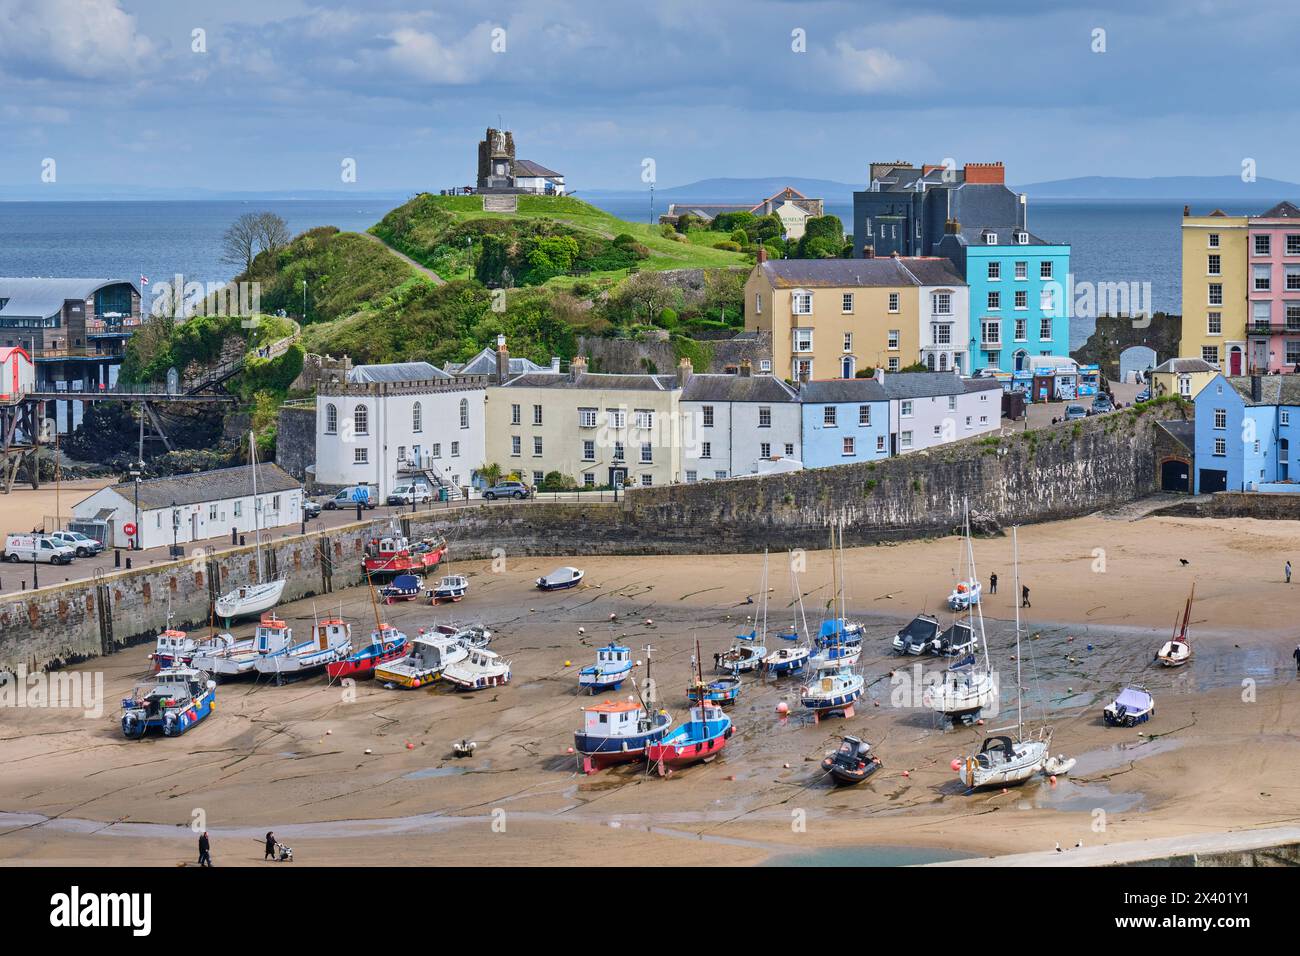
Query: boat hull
(360, 665)
(845, 775)
(171, 724)
(682, 750)
(598, 753)
(256, 599)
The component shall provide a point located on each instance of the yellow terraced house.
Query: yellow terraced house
(831, 318)
(1215, 271)
(600, 430)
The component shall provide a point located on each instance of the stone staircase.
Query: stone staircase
(508, 203)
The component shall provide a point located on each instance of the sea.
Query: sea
(1111, 240)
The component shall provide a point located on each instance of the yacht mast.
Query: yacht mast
(257, 523)
(1015, 570)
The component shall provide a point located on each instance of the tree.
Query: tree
(645, 295)
(240, 243)
(272, 232)
(823, 238)
(490, 472)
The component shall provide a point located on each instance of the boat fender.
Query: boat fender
(727, 735)
(956, 764)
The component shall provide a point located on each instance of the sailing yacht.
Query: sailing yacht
(839, 641)
(793, 659)
(967, 686)
(1177, 651)
(748, 650)
(1003, 761)
(249, 599)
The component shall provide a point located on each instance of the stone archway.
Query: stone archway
(1176, 474)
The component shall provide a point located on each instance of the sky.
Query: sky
(282, 94)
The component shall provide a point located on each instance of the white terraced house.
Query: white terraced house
(737, 425)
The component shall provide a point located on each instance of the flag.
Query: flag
(144, 279)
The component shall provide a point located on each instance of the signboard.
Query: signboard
(173, 381)
(129, 529)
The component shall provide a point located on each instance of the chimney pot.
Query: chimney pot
(684, 371)
(503, 360)
(746, 368)
(577, 367)
(762, 253)
(868, 252)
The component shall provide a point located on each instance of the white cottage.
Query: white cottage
(207, 504)
(737, 425)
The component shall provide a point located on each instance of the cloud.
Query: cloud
(71, 39)
(871, 70)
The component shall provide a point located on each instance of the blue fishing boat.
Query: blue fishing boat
(560, 578)
(839, 642)
(698, 740)
(613, 666)
(173, 701)
(404, 587)
(835, 689)
(722, 692)
(387, 643)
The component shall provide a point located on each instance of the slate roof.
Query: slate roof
(1283, 210)
(528, 168)
(1275, 389)
(884, 272)
(1182, 432)
(43, 298)
(1182, 365)
(1006, 236)
(395, 372)
(924, 384)
(201, 487)
(485, 363)
(981, 384)
(831, 391)
(595, 380)
(711, 387)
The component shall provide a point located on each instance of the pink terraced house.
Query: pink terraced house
(1273, 291)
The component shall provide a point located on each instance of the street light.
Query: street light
(135, 475)
(176, 527)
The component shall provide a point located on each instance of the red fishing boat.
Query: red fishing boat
(394, 554)
(387, 643)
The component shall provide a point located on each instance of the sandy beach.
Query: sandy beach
(1218, 756)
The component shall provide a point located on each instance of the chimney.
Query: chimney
(879, 375)
(684, 371)
(1187, 211)
(762, 253)
(952, 227)
(503, 360)
(746, 368)
(985, 174)
(868, 252)
(577, 367)
(1257, 388)
(803, 376)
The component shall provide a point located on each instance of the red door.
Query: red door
(1234, 362)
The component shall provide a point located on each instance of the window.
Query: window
(691, 476)
(764, 416)
(417, 417)
(514, 415)
(588, 450)
(401, 453)
(361, 420)
(437, 449)
(893, 302)
(995, 271)
(848, 446)
(706, 449)
(880, 443)
(586, 418)
(719, 475)
(1293, 317)
(803, 340)
(618, 451)
(537, 446)
(938, 430)
(848, 341)
(992, 333)
(647, 453)
(893, 363)
(538, 478)
(360, 456)
(1216, 293)
(616, 417)
(537, 414)
(1045, 269)
(802, 369)
(758, 303)
(1022, 238)
(1220, 446)
(801, 303)
(331, 420)
(464, 413)
(1047, 301)
(1263, 245)
(1022, 270)
(905, 439)
(1213, 264)
(941, 333)
(1022, 332)
(905, 408)
(514, 446)
(589, 480)
(990, 238)
(1210, 353)
(765, 449)
(1022, 299)
(952, 403)
(1220, 418)
(1284, 416)
(789, 449)
(644, 418)
(1045, 329)
(765, 365)
(1261, 313)
(1214, 240)
(864, 414)
(1292, 355)
(943, 303)
(212, 512)
(846, 302)
(707, 412)
(892, 343)
(995, 301)
(239, 509)
(828, 416)
(647, 481)
(1293, 278)
(1214, 323)
(1263, 278)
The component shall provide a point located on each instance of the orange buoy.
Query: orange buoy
(956, 764)
(783, 708)
(907, 773)
(410, 746)
(1053, 779)
(570, 750)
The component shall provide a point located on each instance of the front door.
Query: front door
(1234, 361)
(617, 476)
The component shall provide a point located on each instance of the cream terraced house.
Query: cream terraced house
(831, 318)
(601, 430)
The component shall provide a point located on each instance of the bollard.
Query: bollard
(241, 540)
(234, 536)
(117, 557)
(128, 562)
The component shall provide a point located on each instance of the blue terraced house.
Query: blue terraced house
(1248, 434)
(844, 421)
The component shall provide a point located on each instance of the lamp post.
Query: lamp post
(135, 475)
(176, 527)
(304, 300)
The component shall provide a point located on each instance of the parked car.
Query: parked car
(311, 509)
(508, 489)
(347, 498)
(36, 547)
(82, 546)
(1073, 412)
(1101, 404)
(413, 493)
(1143, 396)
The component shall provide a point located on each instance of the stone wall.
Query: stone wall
(295, 439)
(661, 355)
(1114, 334)
(1240, 504)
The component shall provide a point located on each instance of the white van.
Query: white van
(36, 547)
(416, 492)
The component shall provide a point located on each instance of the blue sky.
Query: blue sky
(288, 89)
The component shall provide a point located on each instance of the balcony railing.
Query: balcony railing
(1273, 328)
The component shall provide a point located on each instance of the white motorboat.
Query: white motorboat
(273, 636)
(452, 587)
(964, 595)
(250, 599)
(561, 578)
(331, 641)
(478, 669)
(429, 656)
(1177, 651)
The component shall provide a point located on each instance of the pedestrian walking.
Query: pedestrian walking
(1024, 596)
(270, 846)
(1296, 655)
(1288, 572)
(993, 584)
(205, 848)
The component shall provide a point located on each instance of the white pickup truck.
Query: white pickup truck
(36, 547)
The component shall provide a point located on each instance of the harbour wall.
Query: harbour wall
(1042, 475)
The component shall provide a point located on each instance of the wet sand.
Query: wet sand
(1217, 756)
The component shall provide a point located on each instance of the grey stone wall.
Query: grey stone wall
(295, 439)
(660, 355)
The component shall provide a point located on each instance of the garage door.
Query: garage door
(1211, 481)
(1175, 476)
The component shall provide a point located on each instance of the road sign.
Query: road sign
(129, 528)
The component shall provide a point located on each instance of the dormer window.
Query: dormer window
(990, 238)
(1022, 238)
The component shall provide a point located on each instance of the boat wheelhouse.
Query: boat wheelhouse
(613, 666)
(424, 663)
(172, 701)
(834, 689)
(331, 641)
(271, 636)
(477, 670)
(615, 732)
(387, 643)
(452, 587)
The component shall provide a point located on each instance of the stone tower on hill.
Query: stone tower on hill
(496, 160)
